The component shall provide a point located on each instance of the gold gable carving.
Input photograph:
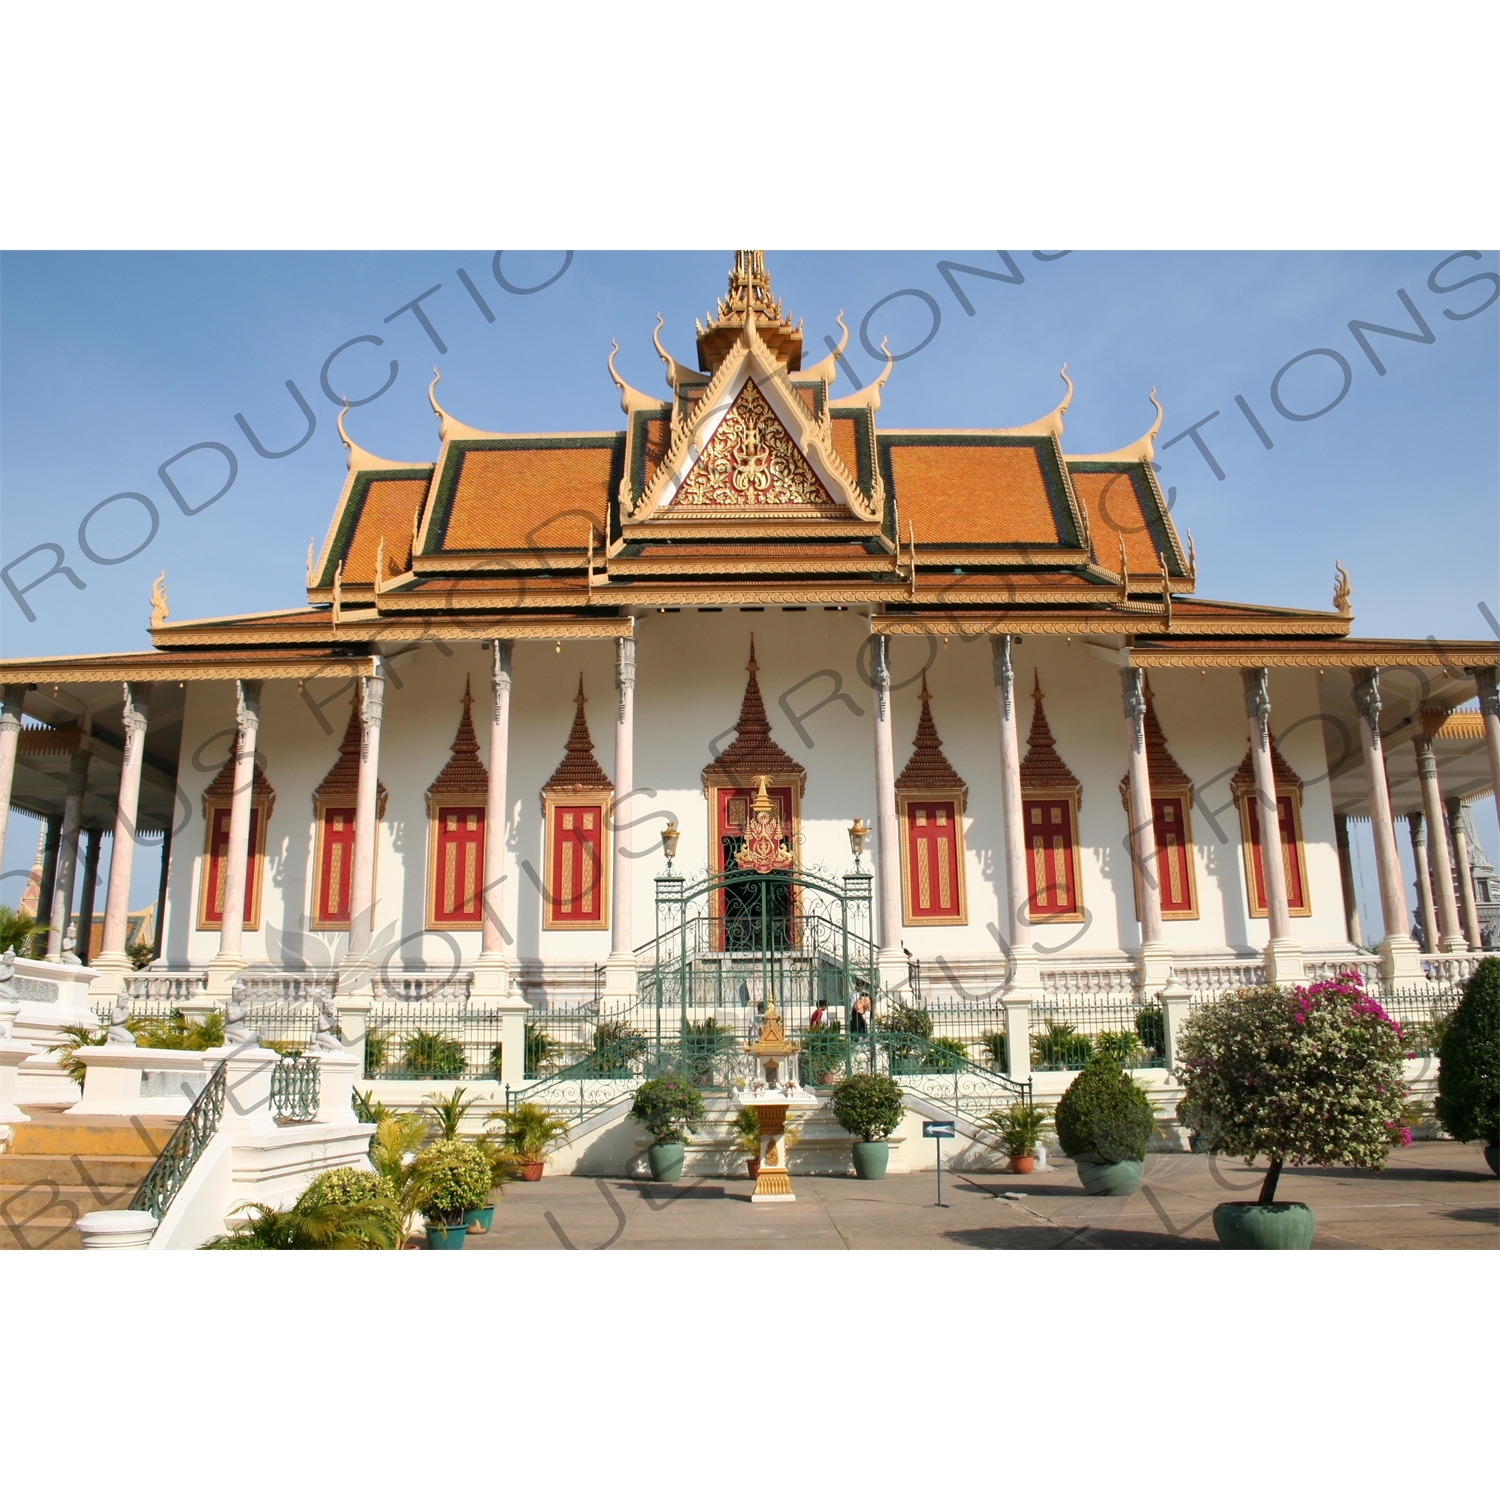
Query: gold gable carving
(751, 460)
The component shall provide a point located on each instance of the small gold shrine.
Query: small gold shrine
(770, 1095)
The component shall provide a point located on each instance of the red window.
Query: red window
(1174, 856)
(218, 867)
(932, 860)
(459, 867)
(1051, 859)
(1291, 856)
(575, 895)
(336, 867)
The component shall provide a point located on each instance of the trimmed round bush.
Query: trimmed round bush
(1468, 1098)
(1105, 1113)
(343, 1185)
(868, 1105)
(458, 1179)
(668, 1107)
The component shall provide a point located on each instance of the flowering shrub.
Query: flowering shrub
(1468, 1102)
(1310, 1076)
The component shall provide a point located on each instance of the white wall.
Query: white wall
(690, 680)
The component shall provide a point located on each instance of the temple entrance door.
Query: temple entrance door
(754, 913)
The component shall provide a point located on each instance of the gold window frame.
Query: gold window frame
(1248, 852)
(262, 803)
(551, 801)
(957, 799)
(1070, 795)
(435, 811)
(320, 808)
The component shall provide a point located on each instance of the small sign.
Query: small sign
(937, 1129)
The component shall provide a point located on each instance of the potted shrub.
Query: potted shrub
(823, 1047)
(869, 1105)
(1311, 1076)
(1019, 1127)
(668, 1107)
(1104, 1122)
(746, 1127)
(354, 1187)
(432, 1054)
(458, 1180)
(394, 1155)
(531, 1134)
(1468, 1097)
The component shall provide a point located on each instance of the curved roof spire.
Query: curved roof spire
(630, 398)
(362, 458)
(827, 368)
(870, 395)
(450, 427)
(1052, 424)
(749, 302)
(1141, 451)
(675, 371)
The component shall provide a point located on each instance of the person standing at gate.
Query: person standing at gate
(819, 1016)
(859, 1015)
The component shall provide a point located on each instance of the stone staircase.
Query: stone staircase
(55, 1170)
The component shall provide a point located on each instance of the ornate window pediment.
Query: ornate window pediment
(576, 806)
(930, 799)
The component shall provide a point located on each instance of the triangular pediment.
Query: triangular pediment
(752, 452)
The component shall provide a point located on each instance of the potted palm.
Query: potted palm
(1468, 1097)
(668, 1107)
(746, 1127)
(394, 1155)
(1019, 1127)
(458, 1181)
(1104, 1122)
(531, 1134)
(1311, 1076)
(870, 1106)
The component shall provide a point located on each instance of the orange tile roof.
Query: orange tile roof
(984, 494)
(389, 509)
(1114, 509)
(520, 496)
(846, 443)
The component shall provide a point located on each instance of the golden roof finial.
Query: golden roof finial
(580, 700)
(1036, 686)
(1341, 589)
(159, 599)
(468, 698)
(924, 695)
(752, 666)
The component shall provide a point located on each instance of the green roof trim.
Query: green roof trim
(1153, 508)
(354, 505)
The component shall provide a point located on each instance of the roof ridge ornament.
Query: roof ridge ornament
(870, 395)
(159, 598)
(1052, 424)
(1141, 451)
(362, 458)
(1341, 590)
(675, 372)
(630, 399)
(449, 427)
(827, 368)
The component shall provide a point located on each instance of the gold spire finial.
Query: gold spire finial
(1036, 686)
(752, 666)
(924, 695)
(580, 700)
(1341, 589)
(468, 698)
(159, 600)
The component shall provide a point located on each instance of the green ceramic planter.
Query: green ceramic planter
(871, 1158)
(666, 1162)
(478, 1220)
(447, 1236)
(1107, 1179)
(1264, 1226)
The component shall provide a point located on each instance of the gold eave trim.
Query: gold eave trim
(469, 629)
(669, 567)
(514, 563)
(749, 527)
(188, 671)
(1313, 655)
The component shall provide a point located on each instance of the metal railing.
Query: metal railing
(180, 1155)
(294, 1089)
(1067, 1033)
(431, 1041)
(1423, 1012)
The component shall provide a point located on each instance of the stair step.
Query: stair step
(73, 1169)
(40, 1237)
(93, 1136)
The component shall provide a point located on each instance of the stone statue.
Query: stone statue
(119, 1034)
(237, 1032)
(69, 945)
(7, 973)
(325, 1037)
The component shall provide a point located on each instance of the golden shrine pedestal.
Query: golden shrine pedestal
(771, 1095)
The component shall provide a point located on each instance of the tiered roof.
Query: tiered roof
(1042, 768)
(463, 779)
(578, 771)
(928, 768)
(753, 752)
(341, 785)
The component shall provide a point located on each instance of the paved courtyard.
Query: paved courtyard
(1434, 1195)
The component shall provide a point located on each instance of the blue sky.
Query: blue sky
(112, 363)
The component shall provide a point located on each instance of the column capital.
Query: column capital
(247, 705)
(1133, 693)
(1426, 758)
(499, 673)
(78, 773)
(880, 672)
(1366, 696)
(371, 709)
(1489, 691)
(1258, 699)
(11, 705)
(624, 672)
(1004, 669)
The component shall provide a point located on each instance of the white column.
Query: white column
(1153, 958)
(1346, 880)
(1283, 954)
(492, 975)
(620, 972)
(11, 704)
(237, 853)
(1024, 982)
(111, 962)
(1489, 708)
(366, 825)
(1398, 954)
(890, 959)
(67, 855)
(1451, 939)
(1466, 906)
(1419, 857)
